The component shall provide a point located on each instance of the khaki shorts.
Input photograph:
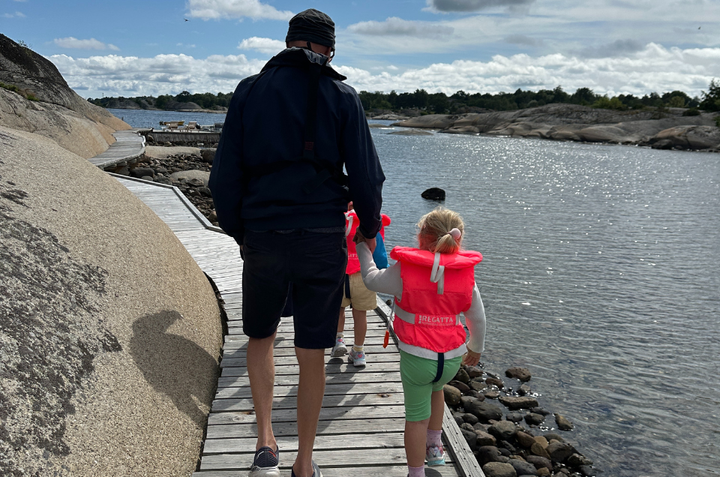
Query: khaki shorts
(361, 298)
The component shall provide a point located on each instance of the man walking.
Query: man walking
(279, 190)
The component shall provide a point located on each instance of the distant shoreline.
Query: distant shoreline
(210, 111)
(669, 129)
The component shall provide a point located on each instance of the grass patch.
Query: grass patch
(25, 94)
(10, 87)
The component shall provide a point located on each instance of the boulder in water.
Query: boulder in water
(433, 193)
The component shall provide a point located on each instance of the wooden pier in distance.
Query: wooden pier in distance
(362, 420)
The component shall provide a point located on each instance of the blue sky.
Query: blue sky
(133, 48)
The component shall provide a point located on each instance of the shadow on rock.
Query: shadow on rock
(174, 365)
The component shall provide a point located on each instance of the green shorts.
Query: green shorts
(417, 375)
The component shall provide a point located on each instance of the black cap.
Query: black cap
(314, 26)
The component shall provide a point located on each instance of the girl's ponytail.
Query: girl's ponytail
(440, 231)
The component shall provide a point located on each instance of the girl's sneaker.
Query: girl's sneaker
(435, 455)
(357, 358)
(339, 350)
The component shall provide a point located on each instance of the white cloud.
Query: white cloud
(394, 26)
(114, 75)
(216, 9)
(266, 46)
(654, 68)
(91, 44)
(14, 15)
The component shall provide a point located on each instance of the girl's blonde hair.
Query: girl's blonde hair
(435, 231)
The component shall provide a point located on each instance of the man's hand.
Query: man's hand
(360, 238)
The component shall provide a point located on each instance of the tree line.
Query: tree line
(460, 102)
(218, 101)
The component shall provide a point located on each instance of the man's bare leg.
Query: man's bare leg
(261, 371)
(341, 321)
(310, 397)
(339, 349)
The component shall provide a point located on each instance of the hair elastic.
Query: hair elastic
(455, 232)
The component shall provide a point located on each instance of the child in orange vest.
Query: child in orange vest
(356, 294)
(432, 285)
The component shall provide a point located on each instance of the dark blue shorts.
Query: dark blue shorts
(314, 263)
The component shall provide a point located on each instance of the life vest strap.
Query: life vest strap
(348, 227)
(411, 318)
(437, 274)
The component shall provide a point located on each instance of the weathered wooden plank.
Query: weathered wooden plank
(290, 415)
(330, 389)
(374, 336)
(231, 361)
(363, 471)
(459, 449)
(330, 368)
(339, 378)
(326, 427)
(389, 378)
(357, 457)
(333, 400)
(323, 442)
(231, 351)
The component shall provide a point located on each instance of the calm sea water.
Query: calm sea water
(139, 118)
(601, 275)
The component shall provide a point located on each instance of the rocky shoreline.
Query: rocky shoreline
(672, 128)
(508, 431)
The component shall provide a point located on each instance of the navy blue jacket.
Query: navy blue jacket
(265, 123)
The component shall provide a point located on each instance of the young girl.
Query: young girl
(432, 285)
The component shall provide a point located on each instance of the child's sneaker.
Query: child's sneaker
(356, 358)
(339, 350)
(265, 463)
(435, 455)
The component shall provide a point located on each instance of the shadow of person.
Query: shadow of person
(173, 365)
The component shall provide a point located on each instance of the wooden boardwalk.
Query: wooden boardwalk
(362, 420)
(129, 145)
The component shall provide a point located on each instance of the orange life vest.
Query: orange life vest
(351, 224)
(436, 288)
